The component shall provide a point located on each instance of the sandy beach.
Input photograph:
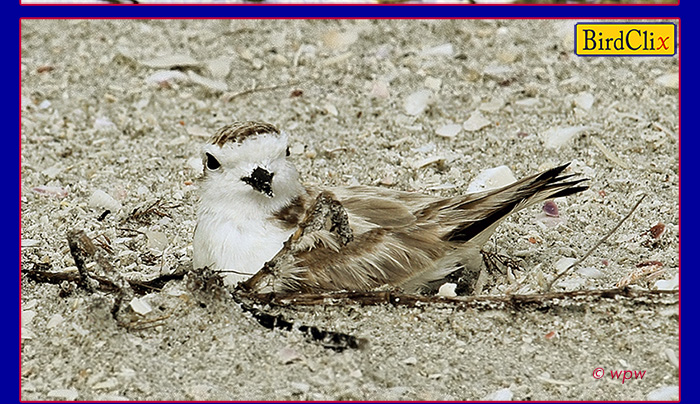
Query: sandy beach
(114, 115)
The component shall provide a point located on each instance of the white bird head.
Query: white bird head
(247, 161)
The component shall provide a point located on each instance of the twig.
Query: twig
(230, 96)
(595, 247)
(409, 300)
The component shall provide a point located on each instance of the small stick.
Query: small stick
(580, 260)
(230, 96)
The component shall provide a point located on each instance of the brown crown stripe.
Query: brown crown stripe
(239, 131)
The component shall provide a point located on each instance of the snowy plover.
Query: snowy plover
(255, 213)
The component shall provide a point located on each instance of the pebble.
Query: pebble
(447, 289)
(417, 102)
(411, 360)
(330, 109)
(297, 149)
(476, 122)
(491, 178)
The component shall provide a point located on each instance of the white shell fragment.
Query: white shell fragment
(609, 153)
(449, 130)
(330, 109)
(380, 89)
(491, 178)
(448, 289)
(64, 394)
(288, 355)
(340, 39)
(667, 284)
(27, 243)
(427, 161)
(498, 72)
(54, 321)
(101, 199)
(476, 122)
(584, 100)
(140, 306)
(170, 61)
(156, 240)
(499, 395)
(666, 393)
(209, 84)
(527, 102)
(166, 76)
(433, 83)
(492, 106)
(563, 264)
(590, 272)
(219, 68)
(417, 102)
(555, 138)
(103, 124)
(668, 80)
(445, 49)
(58, 192)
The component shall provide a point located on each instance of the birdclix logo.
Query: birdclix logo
(625, 39)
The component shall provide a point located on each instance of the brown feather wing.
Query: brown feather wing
(362, 238)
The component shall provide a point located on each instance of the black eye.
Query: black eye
(287, 152)
(212, 162)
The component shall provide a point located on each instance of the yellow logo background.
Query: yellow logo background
(625, 39)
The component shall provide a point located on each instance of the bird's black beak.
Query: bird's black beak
(261, 180)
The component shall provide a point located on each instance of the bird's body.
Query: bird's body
(255, 214)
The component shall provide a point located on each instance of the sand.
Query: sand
(123, 107)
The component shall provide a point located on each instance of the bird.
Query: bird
(265, 230)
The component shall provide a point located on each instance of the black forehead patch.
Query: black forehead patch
(238, 132)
